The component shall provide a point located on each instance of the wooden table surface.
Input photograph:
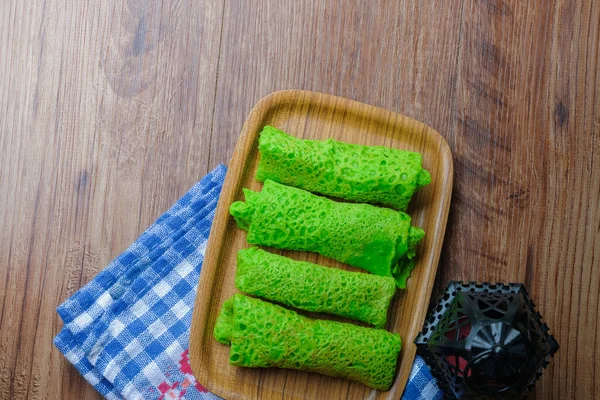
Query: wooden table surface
(109, 111)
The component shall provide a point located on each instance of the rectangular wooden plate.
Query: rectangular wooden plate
(312, 115)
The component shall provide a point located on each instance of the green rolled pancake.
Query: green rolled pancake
(266, 335)
(224, 323)
(364, 174)
(378, 240)
(313, 287)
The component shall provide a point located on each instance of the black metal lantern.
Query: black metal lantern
(485, 341)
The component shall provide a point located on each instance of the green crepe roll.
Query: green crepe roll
(378, 240)
(224, 324)
(262, 334)
(364, 174)
(313, 287)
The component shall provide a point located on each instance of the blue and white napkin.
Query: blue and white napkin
(127, 330)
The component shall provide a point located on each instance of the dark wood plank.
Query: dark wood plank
(105, 122)
(526, 201)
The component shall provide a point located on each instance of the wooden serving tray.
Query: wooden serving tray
(312, 115)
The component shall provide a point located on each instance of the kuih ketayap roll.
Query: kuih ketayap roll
(312, 287)
(262, 334)
(364, 174)
(376, 239)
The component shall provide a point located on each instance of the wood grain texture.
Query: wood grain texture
(105, 121)
(311, 115)
(108, 112)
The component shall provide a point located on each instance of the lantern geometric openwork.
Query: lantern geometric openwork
(485, 341)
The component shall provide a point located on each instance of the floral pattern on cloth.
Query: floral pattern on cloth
(178, 389)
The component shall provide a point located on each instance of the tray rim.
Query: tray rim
(238, 163)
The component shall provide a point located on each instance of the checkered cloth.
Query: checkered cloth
(421, 384)
(127, 331)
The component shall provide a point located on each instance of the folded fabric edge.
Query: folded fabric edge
(115, 267)
(64, 343)
(90, 302)
(145, 279)
(67, 343)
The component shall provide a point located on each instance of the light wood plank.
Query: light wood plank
(106, 120)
